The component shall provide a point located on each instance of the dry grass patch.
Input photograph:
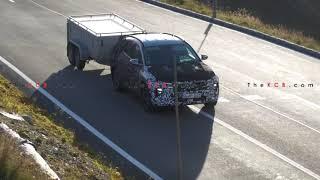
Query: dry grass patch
(14, 164)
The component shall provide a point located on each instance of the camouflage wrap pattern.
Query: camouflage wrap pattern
(189, 92)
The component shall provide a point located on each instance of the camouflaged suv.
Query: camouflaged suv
(145, 63)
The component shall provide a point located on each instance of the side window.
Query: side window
(121, 46)
(127, 48)
(117, 52)
(136, 53)
(133, 51)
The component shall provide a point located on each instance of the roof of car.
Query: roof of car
(156, 39)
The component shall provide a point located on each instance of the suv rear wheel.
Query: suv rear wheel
(116, 82)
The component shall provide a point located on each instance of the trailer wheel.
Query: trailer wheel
(79, 64)
(70, 53)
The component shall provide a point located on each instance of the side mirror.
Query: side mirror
(204, 57)
(134, 61)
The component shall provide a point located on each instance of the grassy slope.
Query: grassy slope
(9, 156)
(243, 18)
(12, 100)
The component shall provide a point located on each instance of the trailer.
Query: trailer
(93, 37)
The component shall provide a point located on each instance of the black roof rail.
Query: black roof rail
(132, 36)
(144, 32)
(174, 36)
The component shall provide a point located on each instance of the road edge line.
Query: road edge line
(272, 110)
(256, 142)
(84, 123)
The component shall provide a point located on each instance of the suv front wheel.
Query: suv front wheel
(147, 104)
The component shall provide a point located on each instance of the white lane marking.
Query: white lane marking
(256, 142)
(12, 1)
(78, 118)
(83, 122)
(311, 104)
(263, 106)
(222, 99)
(224, 87)
(270, 109)
(308, 103)
(53, 11)
(292, 97)
(287, 97)
(253, 97)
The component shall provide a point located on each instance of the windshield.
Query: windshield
(165, 54)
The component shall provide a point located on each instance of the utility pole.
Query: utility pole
(179, 156)
(214, 8)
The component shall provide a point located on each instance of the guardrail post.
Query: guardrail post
(214, 8)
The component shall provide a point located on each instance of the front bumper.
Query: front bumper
(194, 92)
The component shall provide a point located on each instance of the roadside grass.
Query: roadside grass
(13, 100)
(13, 165)
(243, 18)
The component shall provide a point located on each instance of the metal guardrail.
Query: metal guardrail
(112, 17)
(252, 32)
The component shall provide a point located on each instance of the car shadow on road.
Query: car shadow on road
(148, 137)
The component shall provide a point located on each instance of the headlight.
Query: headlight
(157, 92)
(215, 79)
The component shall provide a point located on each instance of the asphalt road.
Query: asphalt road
(259, 132)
